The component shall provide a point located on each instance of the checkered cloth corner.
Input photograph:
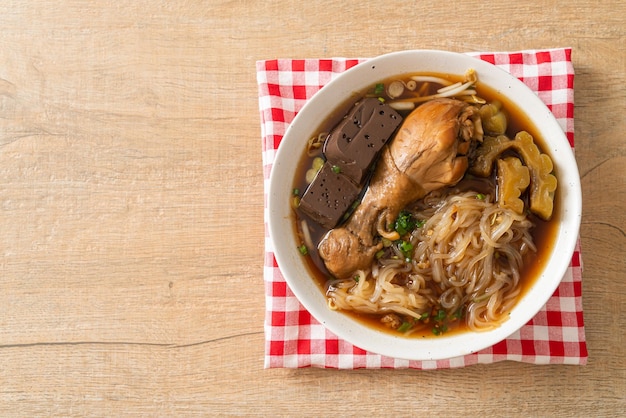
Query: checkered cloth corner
(293, 338)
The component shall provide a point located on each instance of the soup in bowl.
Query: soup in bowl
(424, 205)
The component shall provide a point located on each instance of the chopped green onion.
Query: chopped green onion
(441, 315)
(336, 169)
(425, 315)
(404, 327)
(480, 196)
(379, 88)
(303, 249)
(381, 99)
(380, 254)
(296, 191)
(405, 223)
(406, 248)
(436, 331)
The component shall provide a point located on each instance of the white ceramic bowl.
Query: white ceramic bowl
(304, 126)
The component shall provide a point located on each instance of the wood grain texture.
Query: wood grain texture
(131, 206)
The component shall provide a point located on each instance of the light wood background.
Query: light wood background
(131, 221)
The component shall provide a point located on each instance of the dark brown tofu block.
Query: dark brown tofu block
(356, 141)
(328, 197)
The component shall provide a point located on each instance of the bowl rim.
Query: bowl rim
(348, 84)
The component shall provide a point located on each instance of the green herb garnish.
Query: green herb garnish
(406, 248)
(441, 315)
(405, 327)
(405, 223)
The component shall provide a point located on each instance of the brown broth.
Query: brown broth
(544, 233)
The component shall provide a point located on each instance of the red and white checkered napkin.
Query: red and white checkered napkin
(295, 339)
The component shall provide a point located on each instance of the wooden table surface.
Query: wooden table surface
(131, 201)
